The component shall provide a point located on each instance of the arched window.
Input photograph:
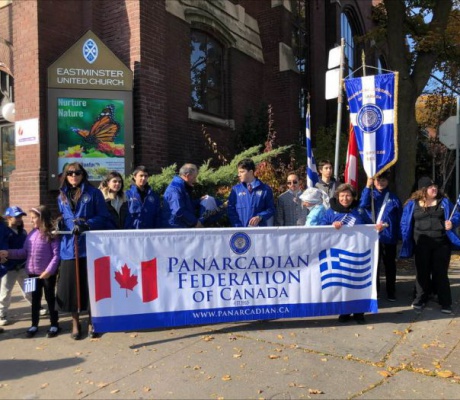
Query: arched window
(207, 73)
(347, 33)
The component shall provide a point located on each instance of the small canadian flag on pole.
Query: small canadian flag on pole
(351, 166)
(125, 278)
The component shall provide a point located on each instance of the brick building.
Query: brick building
(195, 63)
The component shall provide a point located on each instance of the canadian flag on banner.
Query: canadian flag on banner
(125, 278)
(351, 167)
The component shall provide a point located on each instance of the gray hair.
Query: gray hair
(187, 169)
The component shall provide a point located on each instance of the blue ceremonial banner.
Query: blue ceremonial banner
(147, 279)
(373, 114)
(311, 172)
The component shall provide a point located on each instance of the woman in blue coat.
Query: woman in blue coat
(427, 232)
(344, 210)
(143, 203)
(82, 208)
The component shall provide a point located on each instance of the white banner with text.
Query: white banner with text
(142, 279)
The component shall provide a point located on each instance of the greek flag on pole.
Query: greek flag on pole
(312, 173)
(373, 114)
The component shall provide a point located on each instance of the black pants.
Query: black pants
(387, 256)
(432, 259)
(48, 286)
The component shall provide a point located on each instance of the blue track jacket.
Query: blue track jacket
(242, 205)
(407, 227)
(179, 209)
(391, 214)
(91, 209)
(146, 215)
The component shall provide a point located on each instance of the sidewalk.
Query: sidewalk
(398, 354)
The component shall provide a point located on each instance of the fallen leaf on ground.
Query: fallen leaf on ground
(273, 356)
(315, 391)
(227, 378)
(146, 389)
(445, 374)
(102, 384)
(280, 336)
(44, 385)
(114, 391)
(236, 355)
(208, 338)
(386, 374)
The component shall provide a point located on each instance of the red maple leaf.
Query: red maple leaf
(125, 279)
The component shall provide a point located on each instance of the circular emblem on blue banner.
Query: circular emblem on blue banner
(369, 118)
(85, 198)
(240, 243)
(90, 51)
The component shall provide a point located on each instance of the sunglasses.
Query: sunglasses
(74, 173)
(292, 182)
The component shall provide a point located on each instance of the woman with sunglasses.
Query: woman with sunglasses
(82, 208)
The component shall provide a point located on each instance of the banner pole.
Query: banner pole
(339, 111)
(363, 63)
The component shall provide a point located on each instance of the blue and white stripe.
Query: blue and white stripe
(311, 171)
(344, 268)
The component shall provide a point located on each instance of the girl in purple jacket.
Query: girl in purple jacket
(41, 249)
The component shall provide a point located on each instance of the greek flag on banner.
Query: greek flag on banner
(373, 114)
(311, 172)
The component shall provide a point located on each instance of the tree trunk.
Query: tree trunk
(407, 140)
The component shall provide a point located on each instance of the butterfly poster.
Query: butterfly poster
(91, 131)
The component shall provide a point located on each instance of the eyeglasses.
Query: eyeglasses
(292, 182)
(74, 173)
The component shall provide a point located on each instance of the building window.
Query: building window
(207, 73)
(347, 33)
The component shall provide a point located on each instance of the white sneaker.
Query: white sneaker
(43, 311)
(4, 321)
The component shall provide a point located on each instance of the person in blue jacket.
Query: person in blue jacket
(3, 246)
(144, 210)
(344, 210)
(427, 230)
(82, 208)
(387, 209)
(180, 210)
(16, 268)
(251, 201)
(313, 199)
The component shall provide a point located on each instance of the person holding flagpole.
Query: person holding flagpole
(388, 209)
(82, 208)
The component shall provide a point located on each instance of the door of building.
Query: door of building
(7, 163)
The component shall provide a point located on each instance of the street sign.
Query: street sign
(448, 133)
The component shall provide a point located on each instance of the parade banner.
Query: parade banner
(373, 114)
(146, 279)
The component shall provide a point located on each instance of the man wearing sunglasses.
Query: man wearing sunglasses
(289, 211)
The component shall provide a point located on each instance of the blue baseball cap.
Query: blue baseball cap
(14, 211)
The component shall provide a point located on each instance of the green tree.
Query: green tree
(417, 37)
